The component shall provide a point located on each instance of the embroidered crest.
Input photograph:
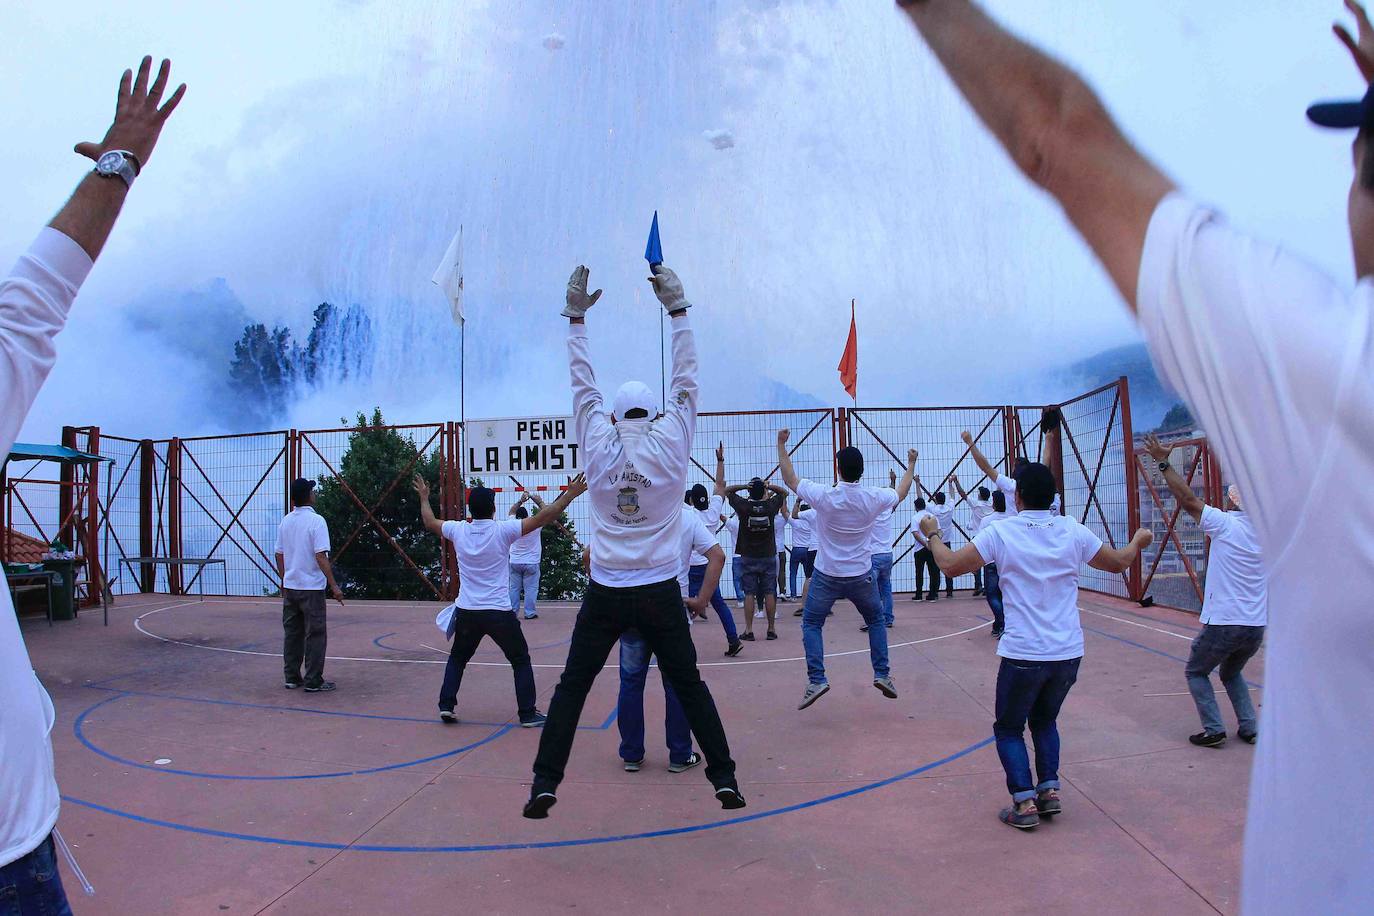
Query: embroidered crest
(628, 501)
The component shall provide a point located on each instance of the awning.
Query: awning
(24, 451)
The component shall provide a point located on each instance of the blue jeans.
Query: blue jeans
(737, 574)
(882, 577)
(1031, 691)
(825, 591)
(634, 669)
(696, 576)
(32, 885)
(1228, 647)
(524, 575)
(992, 590)
(805, 559)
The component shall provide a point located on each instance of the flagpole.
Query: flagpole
(662, 371)
(855, 396)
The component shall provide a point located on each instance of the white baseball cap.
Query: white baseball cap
(631, 396)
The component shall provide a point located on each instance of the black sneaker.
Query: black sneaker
(747, 637)
(634, 766)
(292, 685)
(863, 629)
(531, 616)
(932, 597)
(534, 721)
(1047, 802)
(735, 648)
(797, 612)
(537, 808)
(321, 687)
(996, 633)
(1247, 737)
(1208, 739)
(889, 625)
(1023, 820)
(977, 592)
(772, 635)
(729, 797)
(448, 717)
(694, 760)
(916, 597)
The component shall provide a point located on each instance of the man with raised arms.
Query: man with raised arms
(636, 474)
(1235, 608)
(843, 530)
(1038, 555)
(1274, 356)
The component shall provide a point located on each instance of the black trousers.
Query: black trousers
(656, 611)
(303, 620)
(504, 629)
(925, 563)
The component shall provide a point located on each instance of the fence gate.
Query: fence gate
(1175, 564)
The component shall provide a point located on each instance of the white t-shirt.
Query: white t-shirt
(1237, 587)
(483, 549)
(1038, 556)
(710, 517)
(916, 527)
(981, 509)
(845, 514)
(529, 548)
(780, 533)
(880, 537)
(696, 539)
(301, 535)
(945, 516)
(803, 537)
(34, 301)
(1275, 358)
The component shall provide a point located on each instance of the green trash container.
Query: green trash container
(63, 589)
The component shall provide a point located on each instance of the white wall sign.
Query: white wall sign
(528, 445)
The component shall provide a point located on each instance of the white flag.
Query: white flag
(449, 276)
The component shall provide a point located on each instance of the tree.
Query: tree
(264, 369)
(560, 574)
(1179, 417)
(375, 469)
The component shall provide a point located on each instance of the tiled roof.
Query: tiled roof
(20, 548)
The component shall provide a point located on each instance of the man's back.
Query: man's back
(1237, 584)
(757, 537)
(483, 550)
(301, 535)
(1039, 556)
(845, 514)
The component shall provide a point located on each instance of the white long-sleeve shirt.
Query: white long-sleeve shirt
(34, 300)
(636, 469)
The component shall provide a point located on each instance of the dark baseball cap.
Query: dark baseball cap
(301, 488)
(1344, 115)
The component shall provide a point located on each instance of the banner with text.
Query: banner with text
(528, 445)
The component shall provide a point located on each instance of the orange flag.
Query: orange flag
(849, 362)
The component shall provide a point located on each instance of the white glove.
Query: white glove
(668, 289)
(578, 300)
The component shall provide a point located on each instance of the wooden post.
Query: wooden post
(147, 573)
(174, 514)
(1134, 577)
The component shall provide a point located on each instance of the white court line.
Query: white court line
(138, 625)
(1137, 624)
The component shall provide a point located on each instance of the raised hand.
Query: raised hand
(578, 299)
(668, 289)
(138, 120)
(911, 456)
(967, 437)
(1361, 48)
(1156, 449)
(782, 436)
(1144, 537)
(421, 487)
(720, 452)
(577, 486)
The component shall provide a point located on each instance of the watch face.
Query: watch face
(110, 162)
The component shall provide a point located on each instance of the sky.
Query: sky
(801, 154)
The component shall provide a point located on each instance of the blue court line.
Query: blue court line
(378, 643)
(78, 730)
(546, 844)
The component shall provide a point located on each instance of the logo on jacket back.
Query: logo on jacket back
(628, 500)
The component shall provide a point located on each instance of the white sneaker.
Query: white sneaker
(758, 615)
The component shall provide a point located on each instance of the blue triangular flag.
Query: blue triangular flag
(653, 252)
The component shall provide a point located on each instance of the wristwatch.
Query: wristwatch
(1164, 466)
(118, 163)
